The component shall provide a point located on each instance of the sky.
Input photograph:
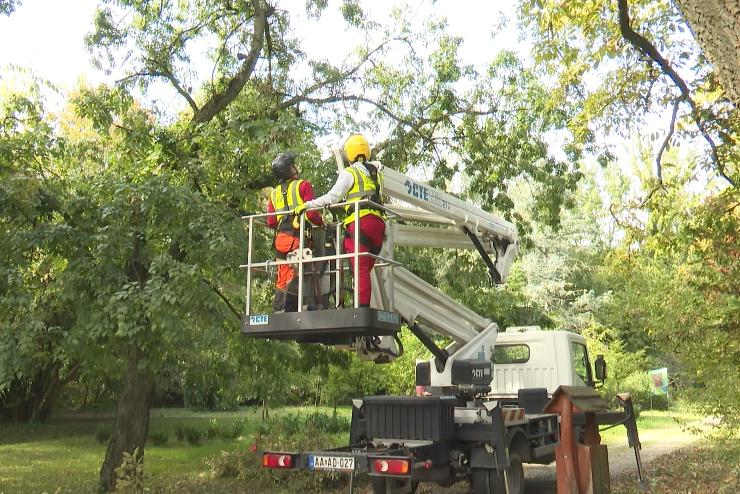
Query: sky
(47, 36)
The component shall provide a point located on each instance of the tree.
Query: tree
(155, 258)
(33, 316)
(623, 66)
(7, 7)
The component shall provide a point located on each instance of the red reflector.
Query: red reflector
(277, 460)
(391, 467)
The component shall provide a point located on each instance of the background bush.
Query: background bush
(159, 438)
(193, 435)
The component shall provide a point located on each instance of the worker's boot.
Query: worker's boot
(291, 295)
(291, 302)
(278, 303)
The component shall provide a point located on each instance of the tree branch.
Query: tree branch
(221, 100)
(167, 74)
(225, 45)
(619, 223)
(160, 72)
(223, 297)
(666, 141)
(348, 97)
(305, 94)
(647, 49)
(414, 126)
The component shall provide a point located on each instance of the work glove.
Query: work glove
(297, 212)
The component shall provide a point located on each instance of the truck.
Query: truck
(479, 413)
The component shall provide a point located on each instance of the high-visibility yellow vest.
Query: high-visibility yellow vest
(362, 188)
(285, 198)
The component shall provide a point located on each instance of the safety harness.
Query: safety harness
(285, 198)
(364, 189)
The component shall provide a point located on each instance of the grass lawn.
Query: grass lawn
(64, 456)
(652, 423)
(64, 453)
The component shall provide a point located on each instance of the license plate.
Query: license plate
(316, 462)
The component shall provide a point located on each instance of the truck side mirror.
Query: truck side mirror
(600, 368)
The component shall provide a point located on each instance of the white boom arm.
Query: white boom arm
(473, 226)
(447, 206)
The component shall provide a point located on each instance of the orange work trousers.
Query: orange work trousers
(286, 285)
(285, 243)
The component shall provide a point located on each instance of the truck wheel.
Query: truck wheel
(487, 481)
(384, 485)
(515, 475)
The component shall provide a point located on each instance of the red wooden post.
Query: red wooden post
(565, 454)
(580, 468)
(591, 430)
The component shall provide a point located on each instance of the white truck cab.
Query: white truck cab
(529, 357)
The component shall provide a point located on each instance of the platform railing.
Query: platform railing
(300, 260)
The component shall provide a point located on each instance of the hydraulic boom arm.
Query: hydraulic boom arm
(472, 227)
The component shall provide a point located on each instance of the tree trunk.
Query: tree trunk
(715, 27)
(132, 418)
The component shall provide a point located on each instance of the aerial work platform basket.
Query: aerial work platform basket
(329, 312)
(321, 269)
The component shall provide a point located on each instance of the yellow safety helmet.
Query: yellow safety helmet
(355, 147)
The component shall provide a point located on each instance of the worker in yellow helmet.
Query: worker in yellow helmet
(358, 181)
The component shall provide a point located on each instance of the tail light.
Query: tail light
(278, 460)
(392, 466)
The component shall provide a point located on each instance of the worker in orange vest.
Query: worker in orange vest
(290, 193)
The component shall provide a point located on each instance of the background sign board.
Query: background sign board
(659, 381)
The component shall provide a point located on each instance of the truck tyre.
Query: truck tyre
(487, 481)
(384, 485)
(515, 474)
